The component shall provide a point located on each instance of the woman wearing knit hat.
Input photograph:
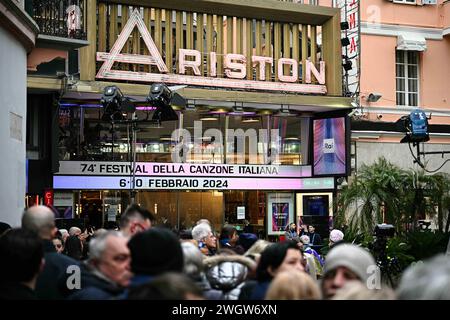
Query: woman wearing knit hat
(336, 236)
(345, 263)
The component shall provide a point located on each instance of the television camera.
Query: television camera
(389, 266)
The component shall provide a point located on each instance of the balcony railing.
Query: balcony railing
(61, 18)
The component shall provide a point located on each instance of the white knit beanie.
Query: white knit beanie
(305, 239)
(336, 235)
(355, 258)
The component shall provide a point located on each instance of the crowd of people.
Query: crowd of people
(141, 261)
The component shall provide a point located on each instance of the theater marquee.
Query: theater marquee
(182, 176)
(235, 67)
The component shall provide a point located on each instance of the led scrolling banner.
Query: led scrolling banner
(182, 176)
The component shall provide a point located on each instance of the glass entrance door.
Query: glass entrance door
(182, 209)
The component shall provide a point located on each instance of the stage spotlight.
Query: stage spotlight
(115, 104)
(160, 96)
(345, 42)
(112, 103)
(347, 65)
(345, 25)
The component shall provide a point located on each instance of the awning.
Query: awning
(411, 42)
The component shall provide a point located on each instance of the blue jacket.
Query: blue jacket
(260, 290)
(136, 281)
(94, 286)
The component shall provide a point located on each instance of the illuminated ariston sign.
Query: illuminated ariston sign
(235, 67)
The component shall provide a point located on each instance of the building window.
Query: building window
(407, 76)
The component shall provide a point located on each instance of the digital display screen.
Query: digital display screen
(315, 205)
(329, 148)
(188, 183)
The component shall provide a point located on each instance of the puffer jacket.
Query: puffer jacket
(228, 273)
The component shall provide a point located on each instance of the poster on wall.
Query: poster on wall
(63, 205)
(280, 212)
(240, 213)
(112, 212)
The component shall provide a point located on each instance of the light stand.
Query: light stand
(115, 104)
(133, 157)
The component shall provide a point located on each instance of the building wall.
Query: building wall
(435, 73)
(428, 16)
(13, 62)
(399, 154)
(378, 52)
(378, 68)
(378, 72)
(446, 15)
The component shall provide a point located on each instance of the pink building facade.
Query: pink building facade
(405, 64)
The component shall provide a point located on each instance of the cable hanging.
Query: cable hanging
(419, 162)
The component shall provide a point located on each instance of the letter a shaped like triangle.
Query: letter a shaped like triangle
(154, 57)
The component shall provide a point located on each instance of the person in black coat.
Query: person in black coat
(21, 255)
(314, 238)
(74, 248)
(41, 220)
(154, 252)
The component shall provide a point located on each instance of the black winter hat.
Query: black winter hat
(246, 240)
(155, 251)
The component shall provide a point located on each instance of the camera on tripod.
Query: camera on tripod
(381, 234)
(389, 266)
(424, 225)
(384, 230)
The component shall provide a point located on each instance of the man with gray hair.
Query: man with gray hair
(107, 272)
(82, 236)
(429, 280)
(194, 269)
(41, 221)
(74, 231)
(203, 221)
(64, 234)
(207, 242)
